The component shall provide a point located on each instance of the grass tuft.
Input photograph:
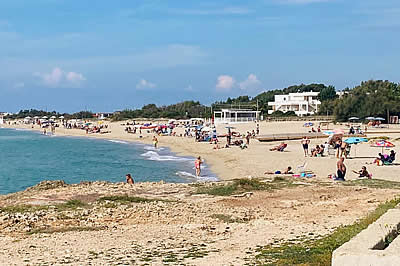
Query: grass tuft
(318, 251)
(227, 218)
(243, 185)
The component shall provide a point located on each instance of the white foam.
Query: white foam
(151, 148)
(198, 178)
(154, 156)
(118, 141)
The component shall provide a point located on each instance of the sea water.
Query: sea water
(28, 157)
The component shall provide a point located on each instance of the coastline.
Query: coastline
(146, 139)
(234, 163)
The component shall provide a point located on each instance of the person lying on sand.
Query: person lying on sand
(281, 147)
(288, 171)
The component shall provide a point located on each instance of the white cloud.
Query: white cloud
(225, 83)
(144, 84)
(251, 83)
(75, 77)
(59, 78)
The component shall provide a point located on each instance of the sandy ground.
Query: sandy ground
(257, 159)
(185, 230)
(153, 232)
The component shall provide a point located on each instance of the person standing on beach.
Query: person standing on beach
(197, 165)
(305, 142)
(258, 129)
(341, 170)
(155, 142)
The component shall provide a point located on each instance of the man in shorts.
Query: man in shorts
(305, 142)
(341, 170)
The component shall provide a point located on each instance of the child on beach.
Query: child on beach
(197, 165)
(155, 142)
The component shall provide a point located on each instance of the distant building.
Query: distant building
(236, 116)
(103, 115)
(302, 103)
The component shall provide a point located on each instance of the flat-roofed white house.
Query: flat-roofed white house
(302, 103)
(236, 116)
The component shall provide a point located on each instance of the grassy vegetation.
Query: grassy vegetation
(227, 218)
(373, 183)
(69, 205)
(124, 199)
(379, 138)
(63, 230)
(317, 251)
(243, 185)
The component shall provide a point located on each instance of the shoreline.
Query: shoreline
(235, 163)
(139, 141)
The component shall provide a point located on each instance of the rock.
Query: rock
(46, 185)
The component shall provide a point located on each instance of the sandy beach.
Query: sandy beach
(165, 223)
(254, 161)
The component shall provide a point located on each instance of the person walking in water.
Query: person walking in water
(305, 142)
(155, 142)
(197, 165)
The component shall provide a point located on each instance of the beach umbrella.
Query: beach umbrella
(44, 117)
(328, 132)
(383, 144)
(61, 117)
(380, 119)
(354, 140)
(53, 117)
(370, 118)
(36, 117)
(353, 118)
(28, 117)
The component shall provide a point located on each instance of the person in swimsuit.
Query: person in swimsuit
(305, 142)
(363, 173)
(155, 142)
(197, 165)
(129, 179)
(341, 170)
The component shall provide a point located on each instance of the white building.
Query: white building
(302, 103)
(235, 116)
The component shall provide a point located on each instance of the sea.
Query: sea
(28, 157)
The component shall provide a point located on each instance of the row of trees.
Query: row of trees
(186, 109)
(40, 113)
(370, 98)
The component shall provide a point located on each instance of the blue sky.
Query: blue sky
(103, 55)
